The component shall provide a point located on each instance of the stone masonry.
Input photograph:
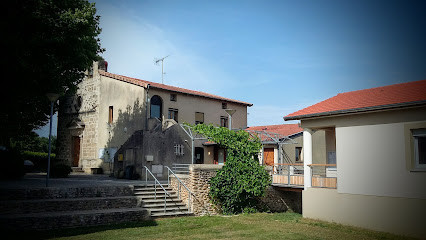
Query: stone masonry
(275, 200)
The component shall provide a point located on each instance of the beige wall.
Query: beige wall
(187, 105)
(396, 215)
(123, 97)
(371, 160)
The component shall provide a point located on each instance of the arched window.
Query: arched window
(156, 107)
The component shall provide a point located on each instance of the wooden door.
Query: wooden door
(75, 151)
(268, 156)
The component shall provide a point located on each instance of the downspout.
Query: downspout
(147, 104)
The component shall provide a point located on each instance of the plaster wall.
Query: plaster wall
(188, 105)
(390, 214)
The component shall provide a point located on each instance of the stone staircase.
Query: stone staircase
(56, 208)
(153, 200)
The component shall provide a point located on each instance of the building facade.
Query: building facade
(376, 140)
(108, 108)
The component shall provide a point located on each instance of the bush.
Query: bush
(60, 170)
(237, 187)
(38, 158)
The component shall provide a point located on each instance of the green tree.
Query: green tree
(48, 45)
(239, 184)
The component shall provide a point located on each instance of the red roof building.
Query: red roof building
(373, 99)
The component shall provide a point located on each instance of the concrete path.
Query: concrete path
(38, 180)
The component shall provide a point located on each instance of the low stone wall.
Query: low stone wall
(282, 200)
(199, 178)
(181, 190)
(198, 181)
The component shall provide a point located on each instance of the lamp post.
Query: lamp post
(52, 98)
(230, 112)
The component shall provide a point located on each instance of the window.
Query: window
(173, 97)
(224, 105)
(419, 148)
(110, 114)
(173, 114)
(199, 118)
(298, 154)
(179, 150)
(224, 121)
(156, 107)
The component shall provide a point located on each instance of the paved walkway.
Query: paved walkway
(38, 180)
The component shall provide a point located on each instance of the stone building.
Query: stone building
(108, 109)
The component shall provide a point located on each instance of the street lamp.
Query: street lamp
(52, 98)
(230, 112)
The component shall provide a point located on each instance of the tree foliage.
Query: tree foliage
(239, 184)
(48, 46)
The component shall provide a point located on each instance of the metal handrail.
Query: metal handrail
(180, 182)
(155, 187)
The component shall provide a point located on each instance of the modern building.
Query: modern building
(375, 174)
(109, 108)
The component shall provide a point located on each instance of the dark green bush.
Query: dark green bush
(240, 183)
(39, 159)
(60, 170)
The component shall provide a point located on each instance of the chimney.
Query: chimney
(103, 65)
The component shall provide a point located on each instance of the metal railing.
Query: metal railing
(179, 184)
(288, 174)
(166, 194)
(321, 175)
(181, 168)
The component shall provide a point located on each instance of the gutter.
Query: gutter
(146, 106)
(357, 110)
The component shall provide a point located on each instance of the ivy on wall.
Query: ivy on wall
(238, 185)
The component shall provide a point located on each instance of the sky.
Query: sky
(281, 56)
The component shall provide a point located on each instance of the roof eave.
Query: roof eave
(197, 95)
(356, 110)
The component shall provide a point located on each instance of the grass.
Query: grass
(245, 226)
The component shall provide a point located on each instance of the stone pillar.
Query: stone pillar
(307, 155)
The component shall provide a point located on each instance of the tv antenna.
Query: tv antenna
(156, 61)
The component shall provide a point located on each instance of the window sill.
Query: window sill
(418, 170)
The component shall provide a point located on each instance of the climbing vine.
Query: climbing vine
(238, 185)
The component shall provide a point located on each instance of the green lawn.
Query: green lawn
(246, 226)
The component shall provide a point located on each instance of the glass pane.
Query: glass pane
(155, 111)
(422, 150)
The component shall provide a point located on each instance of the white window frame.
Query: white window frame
(418, 133)
(179, 150)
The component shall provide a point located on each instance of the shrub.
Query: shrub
(60, 170)
(38, 158)
(236, 188)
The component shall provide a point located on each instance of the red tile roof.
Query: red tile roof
(282, 129)
(144, 84)
(387, 97)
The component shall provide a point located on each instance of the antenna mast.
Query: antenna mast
(156, 61)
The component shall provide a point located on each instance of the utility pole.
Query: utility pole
(156, 61)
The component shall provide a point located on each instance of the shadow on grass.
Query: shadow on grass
(68, 232)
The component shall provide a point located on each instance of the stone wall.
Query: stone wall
(181, 190)
(276, 199)
(78, 117)
(282, 200)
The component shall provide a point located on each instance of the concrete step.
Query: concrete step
(67, 204)
(171, 214)
(59, 220)
(168, 209)
(152, 189)
(150, 186)
(161, 204)
(158, 197)
(77, 169)
(153, 192)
